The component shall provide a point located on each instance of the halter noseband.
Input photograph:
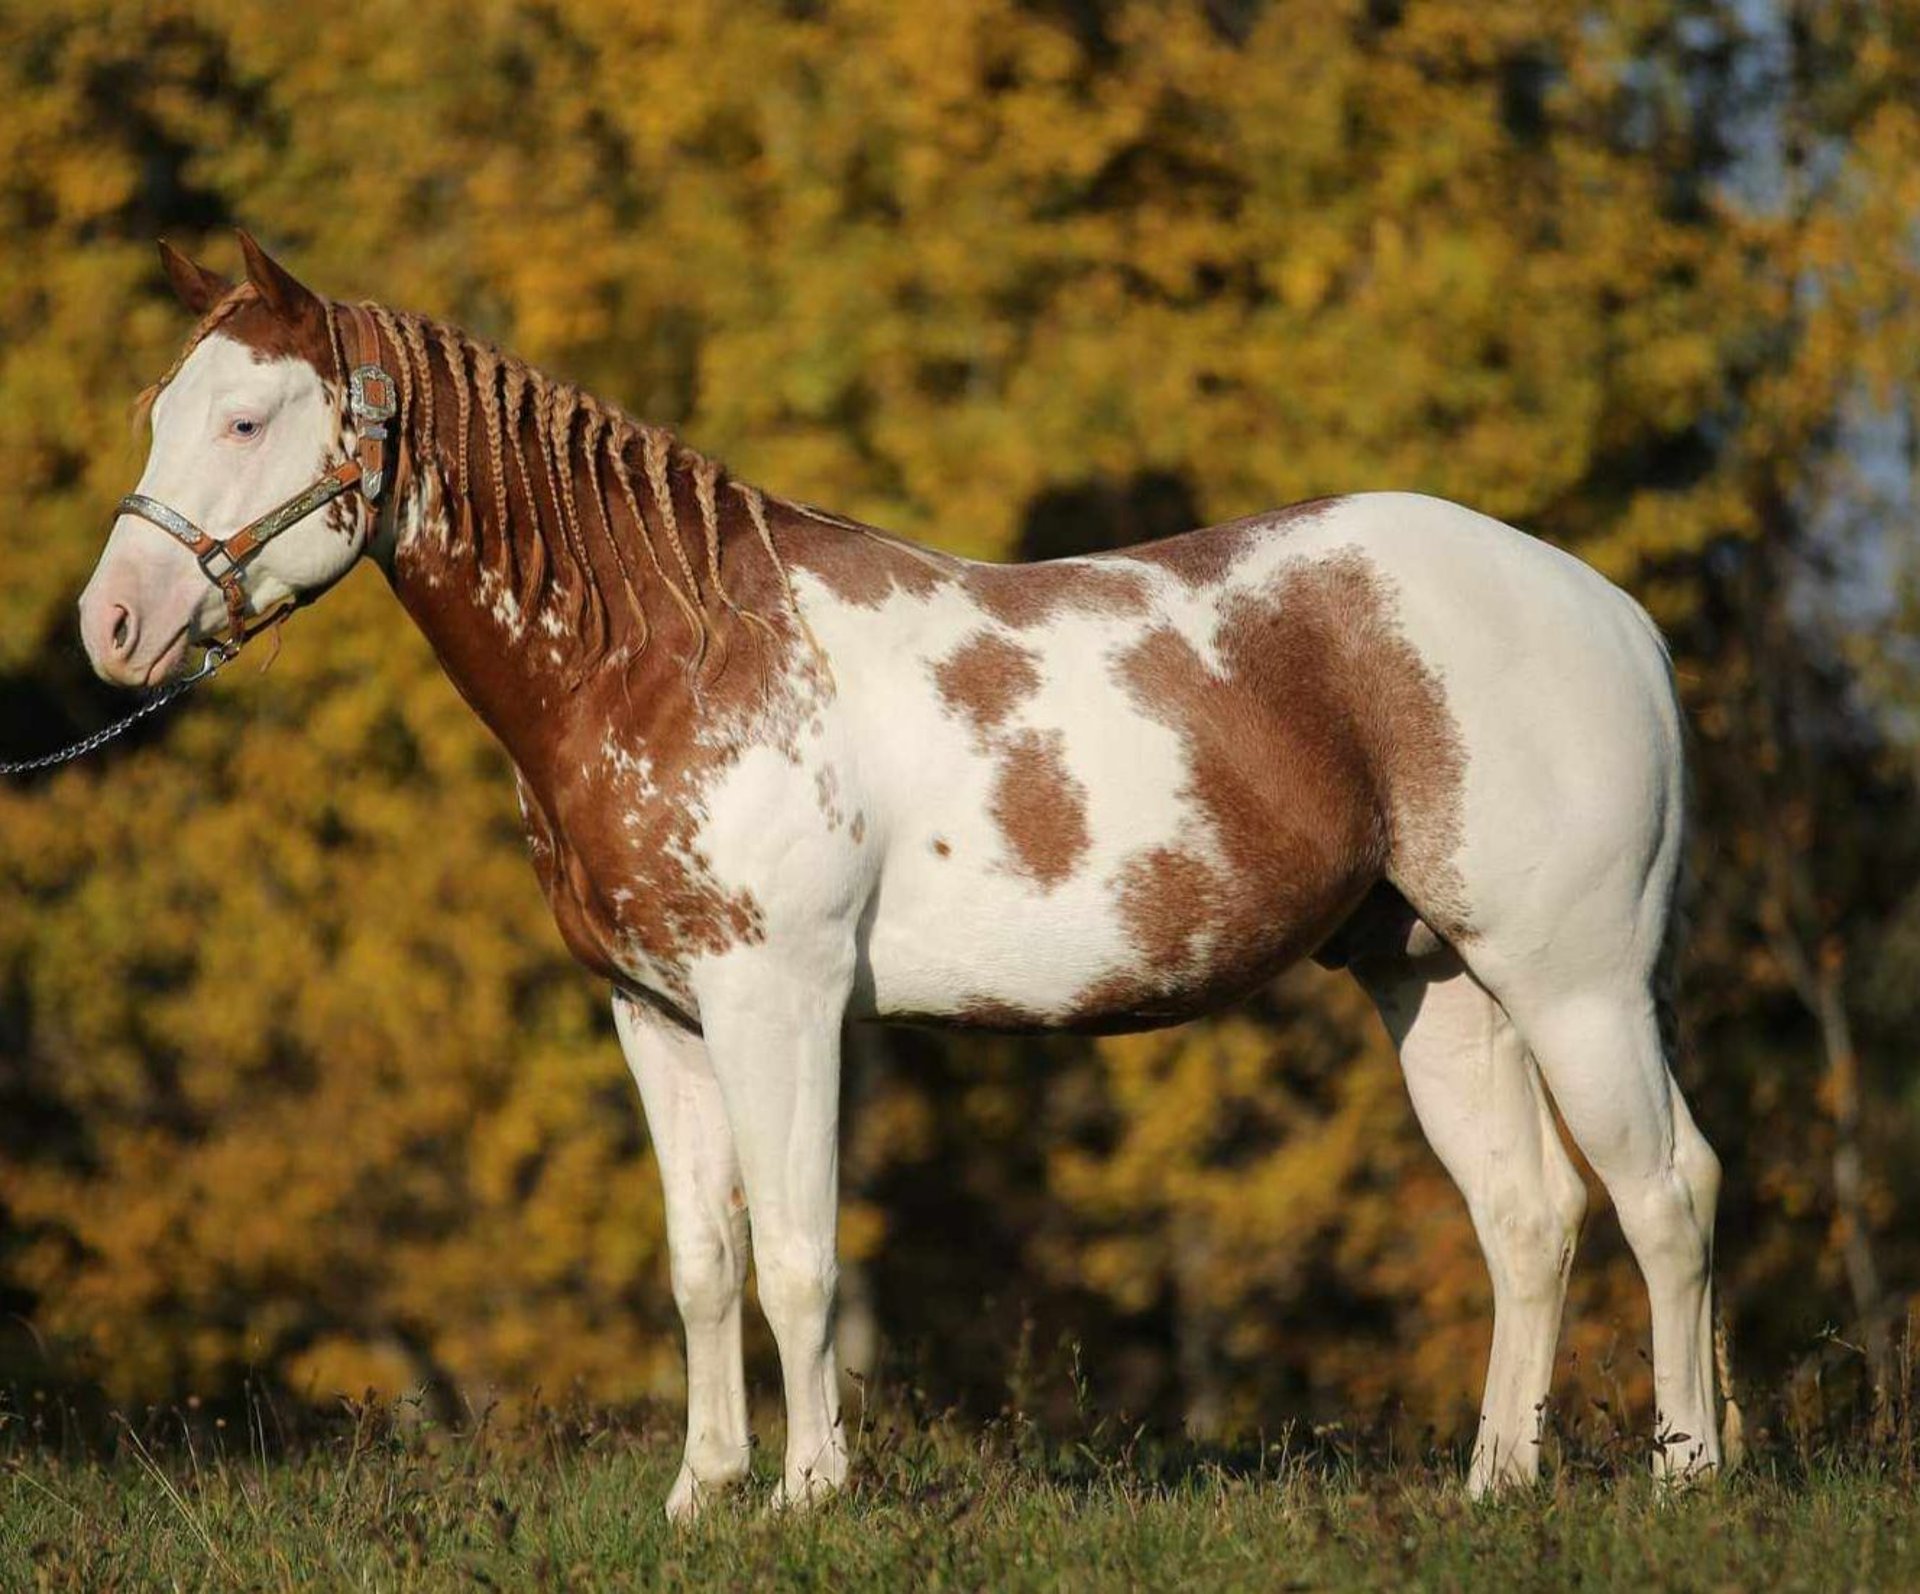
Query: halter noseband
(371, 400)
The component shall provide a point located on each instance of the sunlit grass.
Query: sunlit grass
(384, 1500)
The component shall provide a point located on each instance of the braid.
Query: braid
(656, 449)
(390, 325)
(486, 378)
(560, 443)
(596, 443)
(333, 339)
(706, 476)
(452, 349)
(543, 400)
(515, 384)
(757, 513)
(415, 351)
(621, 441)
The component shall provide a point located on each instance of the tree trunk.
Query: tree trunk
(1849, 1165)
(1196, 1334)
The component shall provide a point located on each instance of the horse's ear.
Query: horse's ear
(196, 287)
(282, 292)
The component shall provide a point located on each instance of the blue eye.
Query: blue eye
(245, 428)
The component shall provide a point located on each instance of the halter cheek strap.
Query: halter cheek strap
(371, 401)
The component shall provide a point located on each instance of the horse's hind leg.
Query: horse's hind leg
(1478, 1098)
(706, 1240)
(1599, 1044)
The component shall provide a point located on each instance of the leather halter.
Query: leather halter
(372, 401)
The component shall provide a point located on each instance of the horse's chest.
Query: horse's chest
(630, 890)
(580, 909)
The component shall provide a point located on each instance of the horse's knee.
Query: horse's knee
(797, 1282)
(709, 1273)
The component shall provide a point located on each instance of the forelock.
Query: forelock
(245, 318)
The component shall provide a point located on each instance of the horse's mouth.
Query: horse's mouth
(168, 662)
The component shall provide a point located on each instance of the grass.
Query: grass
(566, 1502)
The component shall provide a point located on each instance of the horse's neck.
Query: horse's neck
(569, 564)
(496, 657)
(523, 669)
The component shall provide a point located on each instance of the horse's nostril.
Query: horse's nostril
(123, 633)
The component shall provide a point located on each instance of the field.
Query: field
(186, 1501)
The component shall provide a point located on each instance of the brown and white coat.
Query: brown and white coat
(778, 769)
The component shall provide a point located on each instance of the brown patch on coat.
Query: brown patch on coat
(1022, 596)
(1322, 755)
(942, 847)
(247, 318)
(826, 786)
(1040, 807)
(990, 1013)
(1171, 903)
(268, 338)
(986, 678)
(1167, 898)
(1206, 557)
(858, 564)
(617, 848)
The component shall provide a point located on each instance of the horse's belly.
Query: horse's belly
(1161, 935)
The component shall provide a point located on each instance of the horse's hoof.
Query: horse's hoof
(690, 1496)
(811, 1490)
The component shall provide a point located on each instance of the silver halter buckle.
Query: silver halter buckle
(371, 397)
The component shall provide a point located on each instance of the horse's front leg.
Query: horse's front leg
(706, 1240)
(772, 1025)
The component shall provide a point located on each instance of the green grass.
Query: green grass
(569, 1504)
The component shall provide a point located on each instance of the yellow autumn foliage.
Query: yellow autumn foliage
(303, 1082)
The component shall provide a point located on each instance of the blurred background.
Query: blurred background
(298, 1089)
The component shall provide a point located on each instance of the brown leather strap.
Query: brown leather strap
(369, 385)
(236, 598)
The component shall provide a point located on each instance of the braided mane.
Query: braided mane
(579, 465)
(592, 459)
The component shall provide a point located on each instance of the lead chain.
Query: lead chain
(160, 699)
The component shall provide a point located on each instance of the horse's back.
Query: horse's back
(1120, 788)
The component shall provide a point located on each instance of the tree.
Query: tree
(1005, 276)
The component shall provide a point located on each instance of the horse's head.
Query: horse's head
(251, 415)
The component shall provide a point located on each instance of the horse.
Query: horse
(780, 770)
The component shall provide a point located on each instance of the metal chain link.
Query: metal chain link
(160, 699)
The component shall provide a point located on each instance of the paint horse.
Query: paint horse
(779, 769)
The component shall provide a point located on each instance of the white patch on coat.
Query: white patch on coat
(502, 604)
(947, 929)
